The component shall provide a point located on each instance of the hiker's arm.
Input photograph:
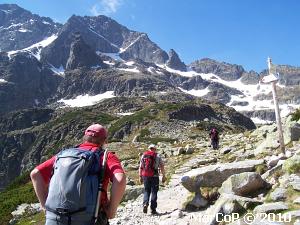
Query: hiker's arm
(116, 195)
(40, 187)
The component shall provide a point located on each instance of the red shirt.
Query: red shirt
(113, 166)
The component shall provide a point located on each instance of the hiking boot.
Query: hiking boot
(154, 212)
(145, 208)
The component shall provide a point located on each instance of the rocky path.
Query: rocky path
(170, 199)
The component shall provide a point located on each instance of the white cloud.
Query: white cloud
(106, 7)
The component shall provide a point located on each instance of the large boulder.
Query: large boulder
(270, 208)
(295, 132)
(243, 184)
(132, 192)
(215, 175)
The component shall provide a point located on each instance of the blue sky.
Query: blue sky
(243, 32)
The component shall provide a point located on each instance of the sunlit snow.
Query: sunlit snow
(134, 70)
(3, 81)
(125, 114)
(39, 46)
(249, 92)
(198, 93)
(59, 71)
(86, 100)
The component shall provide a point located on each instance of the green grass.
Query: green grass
(36, 219)
(11, 198)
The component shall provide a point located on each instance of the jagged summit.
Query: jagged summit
(174, 61)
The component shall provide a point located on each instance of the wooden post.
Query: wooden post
(277, 112)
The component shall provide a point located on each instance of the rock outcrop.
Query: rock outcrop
(224, 70)
(215, 175)
(174, 61)
(81, 55)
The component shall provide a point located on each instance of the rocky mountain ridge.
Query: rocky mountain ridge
(20, 28)
(120, 60)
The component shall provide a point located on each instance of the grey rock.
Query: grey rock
(81, 55)
(243, 184)
(31, 83)
(224, 70)
(289, 75)
(189, 149)
(180, 151)
(267, 114)
(279, 194)
(143, 48)
(292, 214)
(174, 61)
(132, 192)
(215, 175)
(225, 150)
(297, 201)
(250, 77)
(270, 207)
(295, 132)
(296, 186)
(198, 201)
(21, 29)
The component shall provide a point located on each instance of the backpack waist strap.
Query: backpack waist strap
(65, 212)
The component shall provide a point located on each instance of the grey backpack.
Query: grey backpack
(75, 186)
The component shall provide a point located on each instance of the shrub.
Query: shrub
(296, 115)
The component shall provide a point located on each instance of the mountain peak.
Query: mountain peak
(174, 61)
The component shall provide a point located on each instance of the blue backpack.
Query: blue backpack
(75, 186)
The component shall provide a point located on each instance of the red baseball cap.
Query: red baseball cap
(96, 130)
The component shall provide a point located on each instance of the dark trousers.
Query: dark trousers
(151, 186)
(215, 143)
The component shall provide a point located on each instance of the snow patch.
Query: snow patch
(109, 63)
(125, 114)
(87, 100)
(6, 11)
(22, 30)
(198, 93)
(42, 44)
(3, 81)
(260, 121)
(59, 71)
(134, 70)
(114, 56)
(124, 49)
(45, 22)
(129, 63)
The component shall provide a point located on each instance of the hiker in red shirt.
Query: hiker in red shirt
(214, 138)
(94, 138)
(149, 175)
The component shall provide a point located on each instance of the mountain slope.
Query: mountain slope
(20, 28)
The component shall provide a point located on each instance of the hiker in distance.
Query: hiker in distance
(214, 138)
(150, 164)
(72, 185)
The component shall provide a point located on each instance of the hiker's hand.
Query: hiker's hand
(141, 180)
(43, 210)
(164, 179)
(109, 212)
